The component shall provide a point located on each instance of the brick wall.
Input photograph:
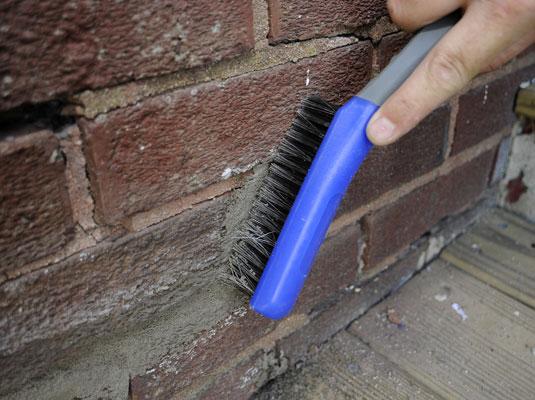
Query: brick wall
(134, 136)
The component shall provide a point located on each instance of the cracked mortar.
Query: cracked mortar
(105, 100)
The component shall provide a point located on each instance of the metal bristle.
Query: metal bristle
(286, 173)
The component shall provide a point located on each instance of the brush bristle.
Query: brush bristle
(286, 173)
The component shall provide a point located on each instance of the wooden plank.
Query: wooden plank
(346, 369)
(498, 250)
(489, 355)
(512, 226)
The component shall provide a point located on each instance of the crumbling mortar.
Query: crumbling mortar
(102, 101)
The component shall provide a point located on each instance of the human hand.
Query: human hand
(489, 33)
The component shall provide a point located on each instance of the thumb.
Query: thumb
(446, 69)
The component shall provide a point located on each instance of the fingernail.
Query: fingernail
(382, 129)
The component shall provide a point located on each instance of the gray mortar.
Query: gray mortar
(104, 370)
(238, 213)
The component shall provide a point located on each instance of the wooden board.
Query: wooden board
(489, 355)
(346, 369)
(499, 250)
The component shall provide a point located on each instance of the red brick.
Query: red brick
(334, 269)
(60, 307)
(35, 218)
(56, 47)
(175, 144)
(487, 109)
(385, 168)
(395, 226)
(299, 20)
(390, 46)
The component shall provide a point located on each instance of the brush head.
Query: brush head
(286, 173)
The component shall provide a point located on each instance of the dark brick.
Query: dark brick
(334, 269)
(388, 167)
(527, 51)
(395, 226)
(175, 144)
(390, 46)
(299, 20)
(35, 218)
(102, 286)
(487, 109)
(59, 47)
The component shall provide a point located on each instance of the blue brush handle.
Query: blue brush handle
(341, 152)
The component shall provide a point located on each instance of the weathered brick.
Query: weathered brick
(387, 167)
(241, 381)
(334, 268)
(487, 109)
(105, 284)
(203, 357)
(390, 46)
(395, 226)
(299, 20)
(35, 218)
(172, 145)
(51, 48)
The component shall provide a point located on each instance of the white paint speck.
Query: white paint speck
(157, 50)
(524, 85)
(7, 80)
(194, 91)
(227, 173)
(142, 147)
(217, 27)
(517, 313)
(441, 297)
(58, 32)
(486, 95)
(459, 311)
(308, 77)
